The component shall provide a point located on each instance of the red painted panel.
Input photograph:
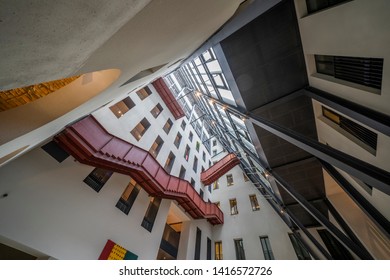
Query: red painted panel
(162, 177)
(136, 155)
(92, 133)
(219, 169)
(151, 165)
(168, 98)
(174, 184)
(106, 250)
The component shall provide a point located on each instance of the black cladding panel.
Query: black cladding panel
(266, 57)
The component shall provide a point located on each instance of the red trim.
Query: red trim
(106, 250)
(168, 98)
(220, 168)
(89, 143)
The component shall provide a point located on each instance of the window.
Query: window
(317, 5)
(97, 178)
(156, 146)
(218, 204)
(143, 93)
(151, 213)
(187, 153)
(195, 165)
(169, 162)
(239, 246)
(156, 110)
(201, 193)
(216, 185)
(53, 149)
(122, 107)
(128, 197)
(300, 250)
(254, 203)
(218, 250)
(353, 129)
(193, 183)
(360, 70)
(233, 206)
(214, 143)
(202, 169)
(209, 163)
(267, 251)
(198, 243)
(191, 136)
(182, 173)
(246, 179)
(178, 140)
(208, 248)
(183, 125)
(204, 156)
(140, 129)
(197, 146)
(214, 152)
(168, 125)
(335, 248)
(229, 179)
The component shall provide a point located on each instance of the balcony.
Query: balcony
(217, 170)
(89, 143)
(168, 98)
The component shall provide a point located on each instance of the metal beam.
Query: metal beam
(359, 199)
(345, 226)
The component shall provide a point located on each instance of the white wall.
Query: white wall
(247, 224)
(51, 210)
(358, 28)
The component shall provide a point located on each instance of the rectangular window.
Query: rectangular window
(218, 250)
(193, 183)
(169, 162)
(266, 246)
(182, 173)
(356, 130)
(140, 129)
(168, 125)
(191, 136)
(178, 140)
(128, 197)
(53, 149)
(97, 178)
(156, 147)
(197, 146)
(208, 248)
(216, 185)
(300, 250)
(183, 125)
(143, 93)
(239, 247)
(201, 193)
(317, 5)
(195, 165)
(204, 156)
(233, 206)
(198, 243)
(214, 152)
(156, 110)
(151, 213)
(246, 179)
(229, 179)
(187, 153)
(214, 143)
(122, 107)
(360, 70)
(254, 203)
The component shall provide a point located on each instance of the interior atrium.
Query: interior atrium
(176, 130)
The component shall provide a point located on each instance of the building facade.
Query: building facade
(296, 90)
